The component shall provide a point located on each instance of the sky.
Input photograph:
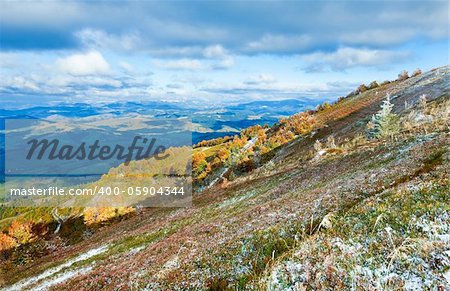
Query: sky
(209, 52)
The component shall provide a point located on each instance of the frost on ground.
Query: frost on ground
(59, 273)
(61, 277)
(407, 247)
(447, 276)
(367, 214)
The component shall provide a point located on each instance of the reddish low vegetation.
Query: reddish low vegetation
(297, 200)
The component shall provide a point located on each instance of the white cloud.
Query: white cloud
(182, 64)
(183, 28)
(278, 90)
(225, 63)
(9, 60)
(179, 52)
(195, 64)
(94, 38)
(261, 79)
(215, 51)
(378, 36)
(127, 67)
(90, 63)
(278, 43)
(83, 81)
(220, 56)
(347, 57)
(42, 13)
(19, 82)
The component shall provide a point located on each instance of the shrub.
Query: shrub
(323, 106)
(423, 103)
(373, 85)
(362, 88)
(318, 146)
(358, 140)
(416, 72)
(403, 75)
(330, 144)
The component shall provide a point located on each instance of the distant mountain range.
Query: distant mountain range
(209, 122)
(120, 122)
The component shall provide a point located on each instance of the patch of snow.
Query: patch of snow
(288, 276)
(137, 249)
(172, 264)
(61, 278)
(414, 283)
(237, 199)
(444, 237)
(447, 276)
(21, 285)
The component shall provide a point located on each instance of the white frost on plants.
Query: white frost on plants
(24, 284)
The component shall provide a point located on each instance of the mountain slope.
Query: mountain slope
(303, 219)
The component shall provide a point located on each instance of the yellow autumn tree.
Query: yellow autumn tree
(20, 231)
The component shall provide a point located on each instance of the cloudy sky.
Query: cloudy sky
(212, 51)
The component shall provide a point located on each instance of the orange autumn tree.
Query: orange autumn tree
(302, 123)
(223, 154)
(200, 166)
(6, 242)
(199, 162)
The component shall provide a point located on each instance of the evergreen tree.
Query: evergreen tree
(385, 122)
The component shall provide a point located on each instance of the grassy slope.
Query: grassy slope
(244, 234)
(398, 238)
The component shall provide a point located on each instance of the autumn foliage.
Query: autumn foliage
(95, 215)
(21, 231)
(6, 242)
(213, 142)
(243, 150)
